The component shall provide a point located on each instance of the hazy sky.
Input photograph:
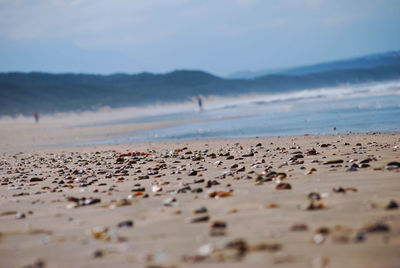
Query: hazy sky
(218, 36)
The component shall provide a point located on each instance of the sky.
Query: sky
(217, 36)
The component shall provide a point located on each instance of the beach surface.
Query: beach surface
(303, 201)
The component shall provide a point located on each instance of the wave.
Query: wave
(321, 94)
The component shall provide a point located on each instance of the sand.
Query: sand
(134, 205)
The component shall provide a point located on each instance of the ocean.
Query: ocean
(373, 107)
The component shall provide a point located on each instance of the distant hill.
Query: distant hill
(364, 62)
(26, 93)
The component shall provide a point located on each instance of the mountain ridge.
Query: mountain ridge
(26, 93)
(366, 61)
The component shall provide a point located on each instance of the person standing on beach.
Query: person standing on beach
(200, 103)
(36, 116)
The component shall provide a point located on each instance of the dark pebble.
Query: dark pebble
(98, 254)
(299, 227)
(378, 228)
(138, 189)
(198, 219)
(394, 164)
(201, 210)
(283, 186)
(361, 237)
(192, 173)
(339, 190)
(314, 196)
(127, 223)
(392, 205)
(38, 264)
(331, 162)
(218, 224)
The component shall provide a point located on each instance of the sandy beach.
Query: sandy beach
(303, 201)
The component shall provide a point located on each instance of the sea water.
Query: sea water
(360, 108)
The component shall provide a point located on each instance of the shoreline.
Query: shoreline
(31, 137)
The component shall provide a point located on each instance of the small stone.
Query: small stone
(205, 250)
(311, 171)
(392, 205)
(170, 201)
(138, 189)
(319, 239)
(299, 227)
(283, 186)
(201, 210)
(143, 177)
(332, 162)
(127, 223)
(377, 228)
(198, 181)
(361, 237)
(311, 152)
(197, 190)
(219, 194)
(20, 216)
(239, 245)
(218, 224)
(91, 201)
(218, 228)
(192, 173)
(35, 179)
(393, 164)
(314, 196)
(98, 253)
(198, 219)
(156, 188)
(315, 206)
(38, 264)
(339, 190)
(211, 183)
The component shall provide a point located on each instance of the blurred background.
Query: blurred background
(211, 69)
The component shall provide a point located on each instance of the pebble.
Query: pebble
(377, 228)
(315, 206)
(127, 223)
(98, 253)
(20, 216)
(192, 173)
(361, 237)
(392, 205)
(217, 228)
(314, 196)
(38, 264)
(35, 179)
(197, 219)
(283, 186)
(393, 165)
(299, 227)
(332, 162)
(170, 201)
(219, 194)
(201, 210)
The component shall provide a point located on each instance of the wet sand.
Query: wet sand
(305, 201)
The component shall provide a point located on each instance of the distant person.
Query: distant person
(36, 116)
(200, 103)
